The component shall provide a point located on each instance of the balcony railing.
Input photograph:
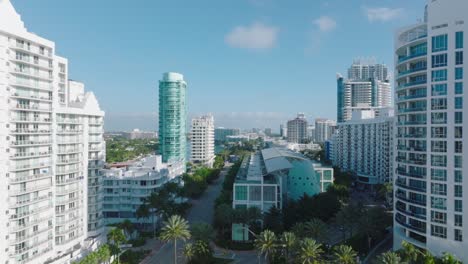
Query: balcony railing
(411, 56)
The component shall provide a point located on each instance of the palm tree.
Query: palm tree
(289, 241)
(202, 231)
(409, 252)
(344, 254)
(389, 258)
(428, 258)
(310, 252)
(189, 251)
(103, 254)
(449, 259)
(299, 229)
(316, 229)
(175, 228)
(116, 237)
(266, 244)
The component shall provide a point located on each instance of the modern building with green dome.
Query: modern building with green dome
(172, 117)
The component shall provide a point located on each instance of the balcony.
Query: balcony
(409, 213)
(68, 181)
(18, 203)
(22, 143)
(31, 212)
(68, 161)
(409, 97)
(30, 166)
(411, 148)
(29, 224)
(32, 108)
(402, 184)
(30, 178)
(411, 56)
(31, 97)
(415, 228)
(29, 189)
(403, 73)
(30, 120)
(411, 123)
(403, 198)
(31, 131)
(412, 109)
(68, 151)
(69, 131)
(68, 121)
(411, 135)
(411, 161)
(21, 155)
(63, 191)
(414, 83)
(30, 235)
(411, 174)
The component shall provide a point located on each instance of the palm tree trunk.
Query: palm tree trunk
(175, 251)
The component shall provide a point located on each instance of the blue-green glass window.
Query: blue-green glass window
(458, 73)
(439, 43)
(439, 203)
(458, 176)
(418, 49)
(439, 60)
(458, 161)
(458, 102)
(439, 75)
(458, 117)
(459, 40)
(241, 193)
(458, 206)
(459, 88)
(439, 89)
(458, 57)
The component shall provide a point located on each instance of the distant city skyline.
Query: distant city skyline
(275, 57)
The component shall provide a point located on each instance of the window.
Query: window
(439, 60)
(458, 57)
(439, 146)
(458, 117)
(439, 118)
(439, 43)
(458, 206)
(439, 89)
(458, 235)
(241, 193)
(439, 75)
(439, 203)
(439, 189)
(458, 88)
(458, 176)
(438, 175)
(439, 160)
(458, 103)
(458, 161)
(458, 132)
(439, 104)
(439, 132)
(439, 231)
(458, 220)
(458, 146)
(438, 217)
(459, 40)
(458, 191)
(458, 73)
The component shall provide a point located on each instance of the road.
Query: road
(202, 211)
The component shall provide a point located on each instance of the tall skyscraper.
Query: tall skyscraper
(172, 117)
(324, 129)
(202, 134)
(366, 87)
(51, 151)
(297, 130)
(430, 187)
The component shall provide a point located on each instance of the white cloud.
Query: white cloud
(382, 14)
(325, 23)
(256, 37)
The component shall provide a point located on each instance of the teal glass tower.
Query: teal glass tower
(172, 117)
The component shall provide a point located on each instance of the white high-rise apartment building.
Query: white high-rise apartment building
(324, 129)
(51, 150)
(367, 87)
(430, 185)
(203, 140)
(297, 130)
(364, 145)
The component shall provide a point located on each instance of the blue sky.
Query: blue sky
(252, 63)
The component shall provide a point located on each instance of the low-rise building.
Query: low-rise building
(125, 188)
(138, 134)
(221, 133)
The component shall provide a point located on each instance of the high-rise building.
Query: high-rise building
(297, 129)
(268, 132)
(324, 129)
(430, 187)
(364, 146)
(202, 134)
(51, 151)
(283, 131)
(172, 117)
(222, 133)
(367, 87)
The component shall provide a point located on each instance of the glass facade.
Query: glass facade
(172, 117)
